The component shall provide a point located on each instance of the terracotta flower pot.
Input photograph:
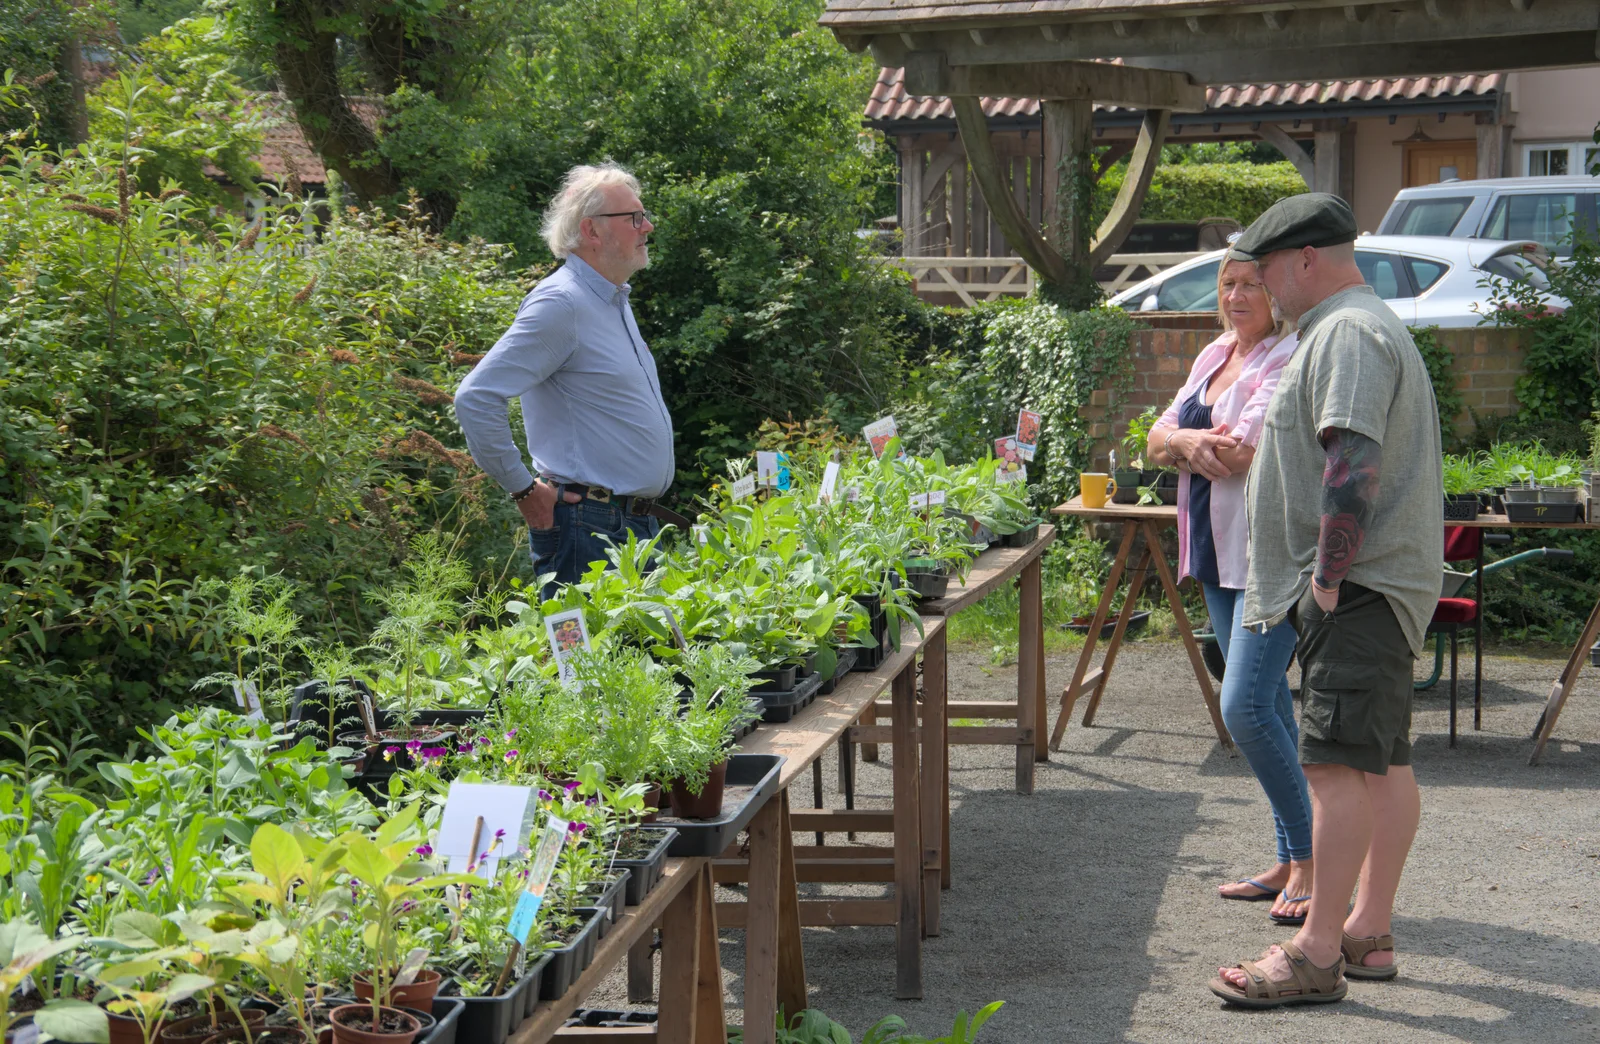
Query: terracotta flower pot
(263, 1035)
(196, 1028)
(125, 1029)
(708, 803)
(397, 1027)
(652, 803)
(418, 995)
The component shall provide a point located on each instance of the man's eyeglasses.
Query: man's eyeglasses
(639, 216)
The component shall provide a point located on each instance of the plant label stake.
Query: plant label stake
(1027, 433)
(742, 488)
(772, 469)
(852, 494)
(526, 912)
(567, 633)
(369, 716)
(672, 622)
(472, 810)
(417, 957)
(249, 701)
(1007, 477)
(830, 479)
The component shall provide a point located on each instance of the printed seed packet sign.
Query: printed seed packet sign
(743, 488)
(568, 634)
(830, 479)
(545, 853)
(1027, 433)
(1006, 478)
(772, 469)
(1008, 454)
(879, 433)
(506, 812)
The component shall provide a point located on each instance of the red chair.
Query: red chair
(1463, 544)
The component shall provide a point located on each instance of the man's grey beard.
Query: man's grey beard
(1279, 316)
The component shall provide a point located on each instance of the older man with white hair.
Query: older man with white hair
(599, 433)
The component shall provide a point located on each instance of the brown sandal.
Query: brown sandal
(1355, 951)
(1310, 984)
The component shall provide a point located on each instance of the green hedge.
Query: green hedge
(1193, 191)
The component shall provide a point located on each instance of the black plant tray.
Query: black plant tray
(752, 779)
(777, 679)
(568, 962)
(1023, 537)
(929, 584)
(1550, 514)
(645, 873)
(1461, 507)
(310, 709)
(592, 1018)
(846, 664)
(1594, 655)
(446, 1014)
(490, 1020)
(759, 706)
(781, 706)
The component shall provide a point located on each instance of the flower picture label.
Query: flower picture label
(1028, 423)
(1005, 477)
(567, 633)
(526, 913)
(743, 488)
(506, 812)
(880, 433)
(772, 469)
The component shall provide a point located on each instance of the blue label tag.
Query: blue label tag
(524, 916)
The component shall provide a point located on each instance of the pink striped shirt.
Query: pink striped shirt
(1241, 407)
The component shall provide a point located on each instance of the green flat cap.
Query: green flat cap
(1315, 219)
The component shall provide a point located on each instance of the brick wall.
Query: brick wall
(1487, 365)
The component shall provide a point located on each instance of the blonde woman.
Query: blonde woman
(1210, 433)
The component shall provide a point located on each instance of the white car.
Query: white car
(1427, 280)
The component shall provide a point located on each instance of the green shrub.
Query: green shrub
(1191, 191)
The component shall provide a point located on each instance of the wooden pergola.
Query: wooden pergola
(1156, 56)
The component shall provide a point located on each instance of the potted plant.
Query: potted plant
(700, 739)
(1463, 482)
(23, 950)
(1132, 473)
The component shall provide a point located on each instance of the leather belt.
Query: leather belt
(629, 505)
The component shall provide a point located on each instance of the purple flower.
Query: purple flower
(423, 850)
(408, 906)
(498, 834)
(591, 801)
(512, 734)
(414, 746)
(390, 752)
(577, 828)
(545, 795)
(434, 754)
(570, 785)
(466, 745)
(152, 876)
(511, 755)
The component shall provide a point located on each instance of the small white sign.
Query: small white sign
(507, 814)
(249, 701)
(567, 633)
(830, 479)
(852, 494)
(1006, 478)
(767, 467)
(936, 498)
(743, 488)
(918, 502)
(702, 535)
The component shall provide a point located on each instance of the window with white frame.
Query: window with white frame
(1563, 157)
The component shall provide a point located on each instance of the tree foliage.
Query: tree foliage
(1192, 190)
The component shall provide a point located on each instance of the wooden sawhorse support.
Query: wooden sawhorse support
(1564, 685)
(1083, 679)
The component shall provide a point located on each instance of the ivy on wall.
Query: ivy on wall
(1441, 363)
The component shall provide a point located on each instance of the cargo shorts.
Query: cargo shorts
(1356, 669)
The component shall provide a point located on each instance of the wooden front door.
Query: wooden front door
(1424, 160)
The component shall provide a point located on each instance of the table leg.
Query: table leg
(1030, 646)
(1196, 661)
(869, 751)
(1135, 585)
(934, 743)
(774, 961)
(1564, 685)
(1069, 695)
(641, 970)
(907, 839)
(691, 976)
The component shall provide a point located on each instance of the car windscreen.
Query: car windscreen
(1192, 290)
(1545, 217)
(1430, 217)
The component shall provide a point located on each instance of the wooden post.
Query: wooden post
(1030, 684)
(691, 977)
(1069, 184)
(907, 839)
(774, 976)
(641, 971)
(935, 784)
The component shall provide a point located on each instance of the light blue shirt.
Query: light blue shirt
(591, 398)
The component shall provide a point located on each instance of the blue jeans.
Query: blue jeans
(1259, 713)
(580, 536)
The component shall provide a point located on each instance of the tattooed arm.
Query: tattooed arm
(1349, 489)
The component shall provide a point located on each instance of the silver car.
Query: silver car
(1427, 280)
(1551, 210)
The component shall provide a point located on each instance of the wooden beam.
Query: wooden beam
(1292, 150)
(1141, 168)
(1432, 9)
(826, 913)
(1356, 12)
(1023, 238)
(1196, 24)
(929, 74)
(1276, 20)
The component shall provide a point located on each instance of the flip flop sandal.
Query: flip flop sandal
(1291, 919)
(1309, 984)
(1355, 951)
(1266, 892)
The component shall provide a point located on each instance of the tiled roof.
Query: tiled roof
(889, 100)
(285, 153)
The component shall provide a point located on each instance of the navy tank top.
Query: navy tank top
(1194, 413)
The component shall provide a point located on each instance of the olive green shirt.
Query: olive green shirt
(1357, 369)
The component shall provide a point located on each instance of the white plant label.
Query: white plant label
(743, 488)
(936, 498)
(249, 701)
(413, 964)
(830, 479)
(1006, 478)
(852, 494)
(918, 502)
(702, 535)
(767, 467)
(507, 813)
(526, 912)
(567, 633)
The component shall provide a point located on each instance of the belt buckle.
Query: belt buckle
(602, 496)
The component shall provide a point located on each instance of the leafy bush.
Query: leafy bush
(1191, 191)
(1561, 376)
(184, 398)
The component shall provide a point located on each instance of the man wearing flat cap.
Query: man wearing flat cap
(1345, 503)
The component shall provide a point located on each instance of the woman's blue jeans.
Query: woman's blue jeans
(1259, 713)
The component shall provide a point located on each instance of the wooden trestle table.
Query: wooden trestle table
(1136, 521)
(1568, 678)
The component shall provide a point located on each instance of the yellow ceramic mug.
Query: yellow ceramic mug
(1097, 488)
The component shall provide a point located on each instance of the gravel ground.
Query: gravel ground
(1090, 907)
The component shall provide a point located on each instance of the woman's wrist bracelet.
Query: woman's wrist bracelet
(1166, 445)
